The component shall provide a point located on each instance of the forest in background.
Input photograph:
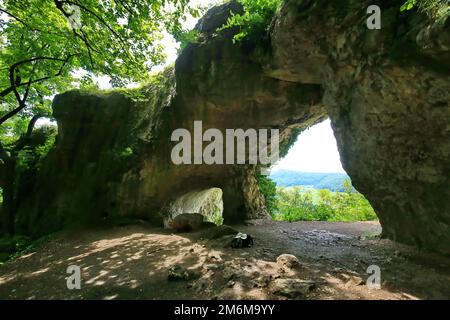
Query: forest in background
(300, 203)
(290, 178)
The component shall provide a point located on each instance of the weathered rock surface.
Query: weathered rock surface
(207, 203)
(386, 91)
(187, 222)
(292, 288)
(288, 261)
(180, 273)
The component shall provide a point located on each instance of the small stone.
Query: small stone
(262, 282)
(230, 273)
(292, 288)
(200, 284)
(213, 267)
(179, 273)
(288, 261)
(355, 281)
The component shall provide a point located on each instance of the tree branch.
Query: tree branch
(22, 101)
(17, 19)
(102, 21)
(22, 142)
(125, 6)
(7, 91)
(59, 5)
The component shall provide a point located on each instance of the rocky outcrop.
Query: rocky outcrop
(386, 92)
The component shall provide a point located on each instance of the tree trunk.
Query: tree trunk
(8, 209)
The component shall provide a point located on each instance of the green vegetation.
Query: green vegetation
(307, 204)
(44, 48)
(14, 247)
(255, 20)
(269, 190)
(437, 9)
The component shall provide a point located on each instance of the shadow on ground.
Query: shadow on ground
(132, 262)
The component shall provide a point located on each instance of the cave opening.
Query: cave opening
(206, 202)
(311, 184)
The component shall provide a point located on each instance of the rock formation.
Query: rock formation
(386, 92)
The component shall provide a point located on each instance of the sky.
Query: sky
(315, 149)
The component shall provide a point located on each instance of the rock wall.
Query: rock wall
(386, 92)
(112, 157)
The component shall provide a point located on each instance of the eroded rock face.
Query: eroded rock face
(386, 92)
(113, 154)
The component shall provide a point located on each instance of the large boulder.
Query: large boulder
(207, 203)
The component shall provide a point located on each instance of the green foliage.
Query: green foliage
(15, 247)
(288, 143)
(269, 190)
(42, 49)
(437, 9)
(186, 37)
(30, 157)
(127, 152)
(115, 38)
(46, 44)
(306, 204)
(255, 20)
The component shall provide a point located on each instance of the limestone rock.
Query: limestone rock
(288, 261)
(218, 16)
(355, 281)
(292, 288)
(207, 202)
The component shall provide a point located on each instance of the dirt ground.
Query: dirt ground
(133, 262)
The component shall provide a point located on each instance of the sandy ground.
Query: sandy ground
(133, 262)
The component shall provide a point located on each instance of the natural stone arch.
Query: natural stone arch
(311, 68)
(387, 94)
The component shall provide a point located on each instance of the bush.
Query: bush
(255, 20)
(436, 9)
(306, 204)
(269, 190)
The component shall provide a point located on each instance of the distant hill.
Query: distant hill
(288, 178)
